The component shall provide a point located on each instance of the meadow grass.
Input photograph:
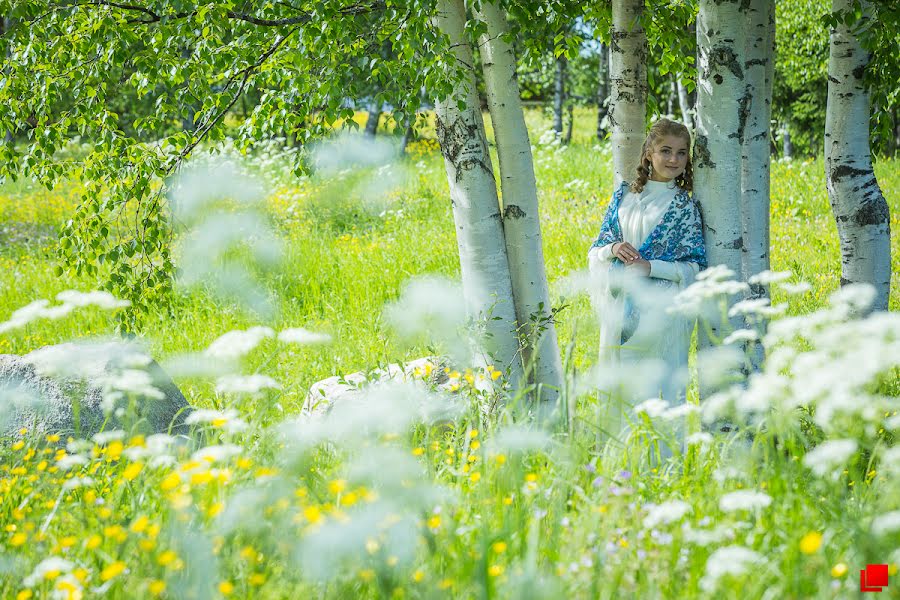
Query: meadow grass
(459, 507)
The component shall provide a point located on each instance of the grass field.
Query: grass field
(482, 505)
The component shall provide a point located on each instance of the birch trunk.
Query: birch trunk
(374, 116)
(628, 75)
(602, 92)
(521, 223)
(684, 104)
(559, 95)
(721, 104)
(487, 285)
(755, 174)
(860, 209)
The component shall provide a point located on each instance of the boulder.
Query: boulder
(323, 394)
(86, 379)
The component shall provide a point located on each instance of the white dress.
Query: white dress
(658, 349)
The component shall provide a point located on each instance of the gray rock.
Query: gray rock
(30, 398)
(325, 393)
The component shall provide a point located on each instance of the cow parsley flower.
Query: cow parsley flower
(52, 564)
(768, 277)
(887, 523)
(744, 500)
(238, 342)
(245, 384)
(654, 407)
(298, 335)
(667, 512)
(829, 458)
(730, 560)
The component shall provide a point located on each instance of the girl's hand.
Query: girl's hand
(625, 252)
(640, 266)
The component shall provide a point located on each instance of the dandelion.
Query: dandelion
(132, 471)
(157, 587)
(226, 588)
(744, 500)
(112, 570)
(839, 570)
(498, 547)
(811, 542)
(495, 570)
(434, 522)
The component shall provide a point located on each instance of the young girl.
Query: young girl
(650, 247)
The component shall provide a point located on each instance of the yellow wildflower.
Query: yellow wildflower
(839, 570)
(811, 542)
(495, 570)
(140, 524)
(257, 579)
(157, 587)
(499, 547)
(226, 587)
(434, 522)
(132, 471)
(166, 558)
(93, 542)
(113, 569)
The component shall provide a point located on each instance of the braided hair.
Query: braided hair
(661, 128)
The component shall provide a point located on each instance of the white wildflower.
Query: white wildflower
(701, 438)
(857, 297)
(105, 437)
(219, 453)
(749, 306)
(744, 500)
(794, 289)
(71, 460)
(97, 298)
(680, 411)
(741, 335)
(667, 512)
(890, 460)
(887, 523)
(716, 273)
(48, 565)
(298, 335)
(227, 420)
(767, 277)
(829, 458)
(654, 407)
(238, 342)
(705, 537)
(77, 482)
(245, 384)
(730, 560)
(893, 423)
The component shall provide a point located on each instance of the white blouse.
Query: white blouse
(639, 214)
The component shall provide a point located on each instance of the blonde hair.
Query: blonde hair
(659, 129)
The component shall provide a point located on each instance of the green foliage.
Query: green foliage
(69, 62)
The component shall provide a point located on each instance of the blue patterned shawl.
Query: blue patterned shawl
(677, 237)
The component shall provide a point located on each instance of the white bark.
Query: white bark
(755, 164)
(521, 223)
(684, 104)
(628, 75)
(721, 97)
(602, 91)
(473, 192)
(859, 206)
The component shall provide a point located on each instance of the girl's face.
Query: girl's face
(669, 158)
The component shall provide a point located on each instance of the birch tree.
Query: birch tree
(602, 91)
(860, 209)
(521, 222)
(487, 284)
(628, 76)
(755, 176)
(722, 100)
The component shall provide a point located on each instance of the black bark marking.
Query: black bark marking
(723, 55)
(461, 145)
(718, 78)
(842, 171)
(859, 71)
(512, 211)
(833, 80)
(735, 244)
(872, 213)
(743, 114)
(701, 153)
